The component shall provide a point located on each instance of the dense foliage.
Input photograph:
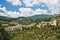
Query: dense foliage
(34, 33)
(7, 19)
(23, 20)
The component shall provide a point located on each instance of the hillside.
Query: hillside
(20, 20)
(33, 33)
(7, 19)
(40, 16)
(23, 20)
(3, 18)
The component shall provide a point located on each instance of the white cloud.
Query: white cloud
(30, 12)
(51, 2)
(3, 9)
(55, 9)
(26, 12)
(54, 5)
(15, 2)
(2, 14)
(28, 2)
(33, 2)
(40, 11)
(12, 14)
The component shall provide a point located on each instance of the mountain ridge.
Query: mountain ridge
(8, 19)
(41, 16)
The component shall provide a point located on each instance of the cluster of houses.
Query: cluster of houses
(18, 26)
(41, 24)
(54, 22)
(44, 23)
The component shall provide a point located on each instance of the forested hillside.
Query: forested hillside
(33, 33)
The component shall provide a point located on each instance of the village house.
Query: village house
(42, 24)
(18, 26)
(11, 28)
(53, 22)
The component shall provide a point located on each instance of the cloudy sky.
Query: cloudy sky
(25, 8)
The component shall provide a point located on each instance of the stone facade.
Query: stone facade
(20, 27)
(42, 24)
(53, 22)
(11, 28)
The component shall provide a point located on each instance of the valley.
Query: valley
(28, 29)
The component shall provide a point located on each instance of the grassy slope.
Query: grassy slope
(35, 33)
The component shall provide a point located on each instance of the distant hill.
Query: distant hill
(3, 18)
(7, 19)
(20, 20)
(23, 20)
(41, 16)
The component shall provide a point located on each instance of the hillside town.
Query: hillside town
(29, 19)
(40, 24)
(18, 26)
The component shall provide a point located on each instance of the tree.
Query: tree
(3, 34)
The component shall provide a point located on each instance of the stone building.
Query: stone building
(53, 22)
(42, 24)
(18, 26)
(47, 23)
(12, 28)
